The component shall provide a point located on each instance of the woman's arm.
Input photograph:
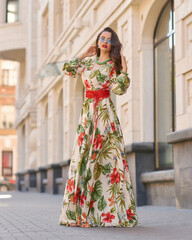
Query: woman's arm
(119, 83)
(75, 65)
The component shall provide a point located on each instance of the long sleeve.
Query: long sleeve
(73, 67)
(118, 83)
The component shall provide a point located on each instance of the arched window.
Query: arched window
(164, 41)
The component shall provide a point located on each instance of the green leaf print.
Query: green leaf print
(106, 169)
(91, 128)
(97, 192)
(121, 200)
(102, 204)
(112, 189)
(104, 113)
(85, 151)
(86, 106)
(79, 210)
(92, 210)
(80, 129)
(101, 77)
(97, 132)
(94, 73)
(85, 138)
(88, 175)
(120, 81)
(97, 170)
(88, 116)
(106, 152)
(113, 210)
(116, 119)
(81, 166)
(71, 215)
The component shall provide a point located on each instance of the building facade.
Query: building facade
(18, 44)
(155, 113)
(8, 137)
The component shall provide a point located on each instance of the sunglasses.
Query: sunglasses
(103, 40)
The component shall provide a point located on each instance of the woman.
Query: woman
(98, 191)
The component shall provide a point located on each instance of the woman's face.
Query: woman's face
(104, 42)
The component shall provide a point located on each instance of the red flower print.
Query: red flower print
(87, 84)
(115, 176)
(91, 204)
(113, 126)
(70, 74)
(91, 188)
(84, 215)
(112, 72)
(77, 194)
(112, 200)
(125, 164)
(70, 185)
(93, 156)
(86, 225)
(83, 70)
(123, 176)
(129, 214)
(98, 142)
(83, 197)
(105, 85)
(80, 138)
(85, 122)
(107, 217)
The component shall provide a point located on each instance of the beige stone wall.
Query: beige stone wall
(18, 42)
(63, 29)
(183, 60)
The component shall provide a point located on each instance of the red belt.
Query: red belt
(97, 96)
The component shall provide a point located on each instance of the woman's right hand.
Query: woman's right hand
(91, 51)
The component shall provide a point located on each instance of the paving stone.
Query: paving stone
(35, 216)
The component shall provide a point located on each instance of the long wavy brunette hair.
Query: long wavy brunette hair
(115, 48)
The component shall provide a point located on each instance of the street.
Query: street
(35, 216)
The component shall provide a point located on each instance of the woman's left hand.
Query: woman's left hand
(123, 62)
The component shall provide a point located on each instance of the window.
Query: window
(164, 41)
(9, 73)
(12, 11)
(7, 163)
(7, 116)
(9, 77)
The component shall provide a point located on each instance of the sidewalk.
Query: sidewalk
(35, 216)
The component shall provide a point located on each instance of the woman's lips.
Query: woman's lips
(104, 46)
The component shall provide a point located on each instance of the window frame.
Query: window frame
(11, 168)
(155, 44)
(16, 13)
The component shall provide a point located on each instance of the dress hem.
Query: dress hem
(87, 225)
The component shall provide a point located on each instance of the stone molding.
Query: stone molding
(158, 176)
(180, 136)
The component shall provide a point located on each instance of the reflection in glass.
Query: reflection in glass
(163, 69)
(165, 23)
(164, 42)
(12, 11)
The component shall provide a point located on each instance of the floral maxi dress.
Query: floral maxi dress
(98, 190)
